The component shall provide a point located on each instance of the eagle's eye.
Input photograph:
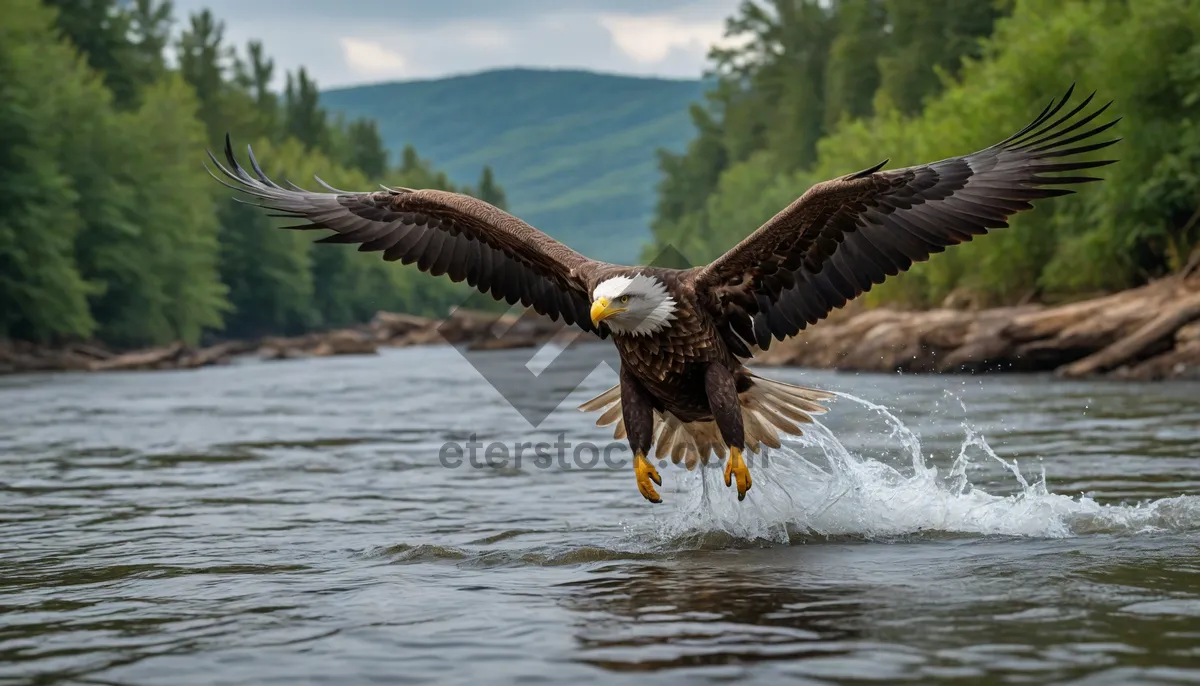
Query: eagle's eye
(624, 299)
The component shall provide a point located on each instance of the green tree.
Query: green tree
(410, 162)
(419, 173)
(99, 29)
(304, 119)
(852, 75)
(267, 271)
(149, 35)
(365, 148)
(151, 238)
(488, 190)
(50, 106)
(258, 74)
(203, 60)
(927, 39)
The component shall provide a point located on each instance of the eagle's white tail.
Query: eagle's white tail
(768, 409)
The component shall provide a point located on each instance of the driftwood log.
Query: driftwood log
(1147, 333)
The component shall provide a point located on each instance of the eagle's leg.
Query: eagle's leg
(726, 409)
(638, 413)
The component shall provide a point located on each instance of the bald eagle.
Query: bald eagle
(683, 334)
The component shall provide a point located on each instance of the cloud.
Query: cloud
(651, 39)
(372, 59)
(483, 36)
(359, 41)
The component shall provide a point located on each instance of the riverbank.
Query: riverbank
(1147, 333)
(477, 330)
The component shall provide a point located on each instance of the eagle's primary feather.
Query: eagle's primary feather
(682, 334)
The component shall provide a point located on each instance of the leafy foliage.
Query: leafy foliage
(110, 227)
(150, 244)
(50, 98)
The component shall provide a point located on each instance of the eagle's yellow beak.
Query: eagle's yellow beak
(602, 309)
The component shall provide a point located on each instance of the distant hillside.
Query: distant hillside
(574, 151)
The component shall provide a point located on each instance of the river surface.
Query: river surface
(294, 523)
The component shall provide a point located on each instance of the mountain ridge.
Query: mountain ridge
(574, 150)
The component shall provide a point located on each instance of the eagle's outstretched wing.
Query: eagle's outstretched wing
(443, 233)
(844, 236)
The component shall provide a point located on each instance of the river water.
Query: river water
(292, 523)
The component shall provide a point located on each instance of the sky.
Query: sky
(348, 42)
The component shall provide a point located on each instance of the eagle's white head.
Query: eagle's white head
(637, 305)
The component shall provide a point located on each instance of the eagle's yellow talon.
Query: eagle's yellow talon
(647, 476)
(735, 468)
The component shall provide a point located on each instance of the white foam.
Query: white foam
(838, 493)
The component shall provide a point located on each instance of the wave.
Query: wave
(839, 494)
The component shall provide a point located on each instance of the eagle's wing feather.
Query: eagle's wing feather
(443, 233)
(844, 236)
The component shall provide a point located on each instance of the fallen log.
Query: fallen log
(1111, 324)
(221, 353)
(142, 359)
(389, 325)
(893, 346)
(90, 350)
(1139, 344)
(345, 342)
(1181, 362)
(282, 352)
(1188, 333)
(1048, 321)
(946, 329)
(985, 348)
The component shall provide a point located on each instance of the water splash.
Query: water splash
(815, 487)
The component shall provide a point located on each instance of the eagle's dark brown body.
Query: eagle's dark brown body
(671, 364)
(684, 369)
(681, 383)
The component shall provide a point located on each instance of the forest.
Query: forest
(819, 89)
(110, 227)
